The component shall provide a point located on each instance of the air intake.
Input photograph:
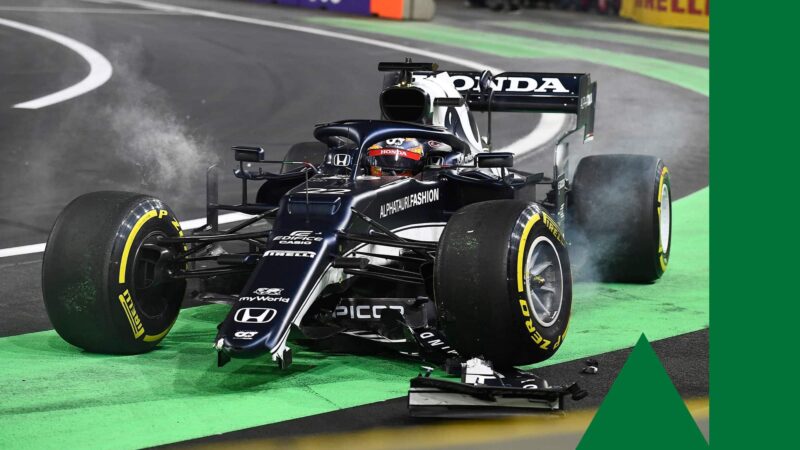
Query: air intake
(404, 104)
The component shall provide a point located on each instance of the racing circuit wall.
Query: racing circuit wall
(387, 9)
(668, 13)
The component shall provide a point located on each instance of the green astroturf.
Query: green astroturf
(605, 36)
(687, 76)
(52, 394)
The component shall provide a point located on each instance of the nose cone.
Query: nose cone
(239, 349)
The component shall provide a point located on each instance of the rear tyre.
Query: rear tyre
(311, 152)
(502, 283)
(622, 217)
(106, 278)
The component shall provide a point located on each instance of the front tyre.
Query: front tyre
(503, 284)
(106, 277)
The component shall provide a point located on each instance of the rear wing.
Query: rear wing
(532, 92)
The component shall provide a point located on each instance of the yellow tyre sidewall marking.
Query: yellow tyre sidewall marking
(125, 298)
(159, 336)
(529, 326)
(123, 265)
(661, 253)
(521, 255)
(130, 313)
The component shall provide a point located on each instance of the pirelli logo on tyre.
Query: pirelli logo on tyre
(130, 312)
(553, 227)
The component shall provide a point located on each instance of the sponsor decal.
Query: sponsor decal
(254, 315)
(521, 84)
(396, 152)
(432, 340)
(668, 13)
(268, 291)
(368, 312)
(328, 191)
(245, 335)
(298, 238)
(265, 298)
(341, 160)
(291, 253)
(395, 141)
(409, 201)
(266, 295)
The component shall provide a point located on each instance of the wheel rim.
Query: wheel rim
(664, 218)
(153, 286)
(545, 281)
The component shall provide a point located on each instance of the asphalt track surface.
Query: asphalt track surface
(185, 88)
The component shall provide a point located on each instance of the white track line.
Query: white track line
(548, 128)
(23, 250)
(186, 224)
(99, 68)
(309, 30)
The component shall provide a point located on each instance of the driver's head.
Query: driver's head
(396, 157)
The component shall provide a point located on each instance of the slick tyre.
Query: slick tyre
(106, 278)
(311, 152)
(621, 212)
(502, 283)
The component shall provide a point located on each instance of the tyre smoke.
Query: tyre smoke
(611, 215)
(148, 134)
(127, 135)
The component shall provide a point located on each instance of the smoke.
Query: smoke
(605, 232)
(130, 134)
(147, 133)
(126, 135)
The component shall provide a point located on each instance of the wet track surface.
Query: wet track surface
(185, 88)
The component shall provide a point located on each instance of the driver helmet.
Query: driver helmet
(396, 157)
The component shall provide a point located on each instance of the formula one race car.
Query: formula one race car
(407, 231)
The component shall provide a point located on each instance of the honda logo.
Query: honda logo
(254, 315)
(341, 160)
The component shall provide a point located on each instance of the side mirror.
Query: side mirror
(495, 159)
(248, 154)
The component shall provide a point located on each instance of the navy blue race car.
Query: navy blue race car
(407, 231)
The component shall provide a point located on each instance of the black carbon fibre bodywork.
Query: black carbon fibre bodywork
(333, 225)
(316, 221)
